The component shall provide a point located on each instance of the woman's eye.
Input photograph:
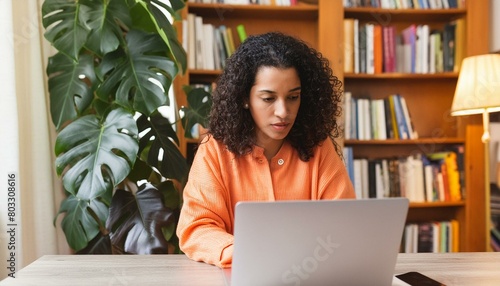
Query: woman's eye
(268, 99)
(294, 97)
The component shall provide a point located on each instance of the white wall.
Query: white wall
(495, 26)
(9, 153)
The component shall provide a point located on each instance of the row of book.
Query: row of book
(405, 4)
(377, 119)
(435, 237)
(248, 2)
(373, 48)
(435, 177)
(209, 46)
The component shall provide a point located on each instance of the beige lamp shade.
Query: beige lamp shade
(478, 87)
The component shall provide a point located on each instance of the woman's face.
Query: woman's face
(274, 103)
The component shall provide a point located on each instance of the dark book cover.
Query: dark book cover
(449, 47)
(425, 237)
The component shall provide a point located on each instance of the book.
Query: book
(208, 47)
(230, 39)
(348, 45)
(199, 42)
(370, 64)
(389, 49)
(356, 46)
(362, 48)
(400, 118)
(347, 115)
(412, 133)
(349, 162)
(377, 49)
(409, 46)
(242, 34)
(449, 47)
(394, 124)
(447, 161)
(380, 117)
(191, 51)
(390, 132)
(425, 237)
(357, 182)
(220, 49)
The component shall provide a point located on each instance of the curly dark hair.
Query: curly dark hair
(321, 93)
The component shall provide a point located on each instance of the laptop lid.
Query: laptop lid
(334, 242)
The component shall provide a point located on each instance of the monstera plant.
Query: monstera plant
(117, 153)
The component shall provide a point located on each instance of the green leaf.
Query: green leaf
(101, 244)
(158, 136)
(64, 28)
(70, 84)
(78, 224)
(136, 222)
(103, 18)
(171, 196)
(199, 102)
(167, 31)
(140, 79)
(95, 155)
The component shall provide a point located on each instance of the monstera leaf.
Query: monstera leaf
(65, 29)
(199, 102)
(79, 224)
(103, 18)
(140, 77)
(69, 86)
(158, 148)
(94, 155)
(136, 221)
(166, 30)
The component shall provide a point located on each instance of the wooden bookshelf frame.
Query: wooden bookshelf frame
(321, 26)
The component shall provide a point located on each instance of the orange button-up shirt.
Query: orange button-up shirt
(218, 180)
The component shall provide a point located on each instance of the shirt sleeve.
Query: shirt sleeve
(334, 182)
(205, 217)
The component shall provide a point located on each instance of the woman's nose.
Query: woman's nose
(281, 109)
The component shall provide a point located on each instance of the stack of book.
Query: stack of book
(377, 119)
(248, 2)
(372, 48)
(405, 4)
(435, 237)
(209, 46)
(435, 177)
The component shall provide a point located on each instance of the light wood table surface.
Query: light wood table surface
(71, 270)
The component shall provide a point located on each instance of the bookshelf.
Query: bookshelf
(428, 96)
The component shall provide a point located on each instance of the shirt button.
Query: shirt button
(281, 162)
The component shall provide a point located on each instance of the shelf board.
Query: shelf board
(198, 75)
(404, 15)
(426, 141)
(437, 204)
(198, 72)
(392, 76)
(301, 11)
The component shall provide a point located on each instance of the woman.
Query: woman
(270, 135)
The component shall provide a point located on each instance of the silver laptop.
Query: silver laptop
(339, 242)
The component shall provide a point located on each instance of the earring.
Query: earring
(245, 106)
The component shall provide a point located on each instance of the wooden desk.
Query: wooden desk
(450, 269)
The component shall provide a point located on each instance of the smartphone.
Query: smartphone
(416, 278)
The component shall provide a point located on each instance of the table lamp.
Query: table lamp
(478, 92)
